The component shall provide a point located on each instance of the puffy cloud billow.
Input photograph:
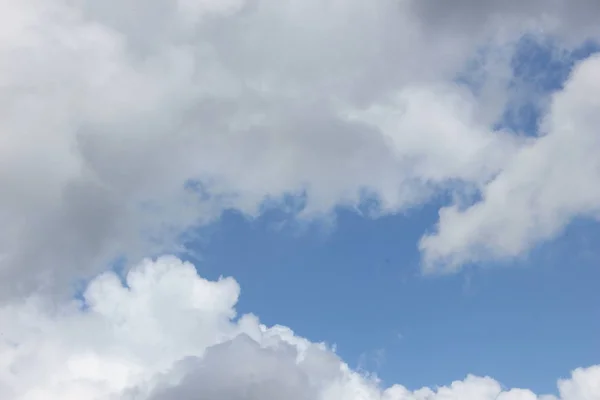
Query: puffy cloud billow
(164, 333)
(124, 124)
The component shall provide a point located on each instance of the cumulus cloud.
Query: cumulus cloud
(547, 184)
(110, 109)
(165, 333)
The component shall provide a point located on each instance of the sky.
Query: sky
(524, 324)
(309, 200)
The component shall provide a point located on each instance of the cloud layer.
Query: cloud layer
(165, 333)
(110, 110)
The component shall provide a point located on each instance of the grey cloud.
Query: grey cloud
(114, 106)
(574, 18)
(241, 370)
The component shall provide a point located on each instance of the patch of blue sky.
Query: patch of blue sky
(360, 288)
(540, 67)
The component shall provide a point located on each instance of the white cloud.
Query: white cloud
(109, 108)
(548, 183)
(166, 333)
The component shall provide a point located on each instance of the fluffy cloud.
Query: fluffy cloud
(109, 110)
(548, 183)
(165, 333)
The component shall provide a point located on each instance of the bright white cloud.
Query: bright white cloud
(548, 183)
(166, 333)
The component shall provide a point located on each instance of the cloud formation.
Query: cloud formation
(110, 109)
(123, 124)
(165, 333)
(548, 183)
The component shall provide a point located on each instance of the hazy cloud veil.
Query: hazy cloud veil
(109, 109)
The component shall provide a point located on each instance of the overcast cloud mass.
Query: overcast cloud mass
(123, 124)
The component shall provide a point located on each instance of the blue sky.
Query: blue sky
(414, 182)
(360, 287)
(524, 321)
